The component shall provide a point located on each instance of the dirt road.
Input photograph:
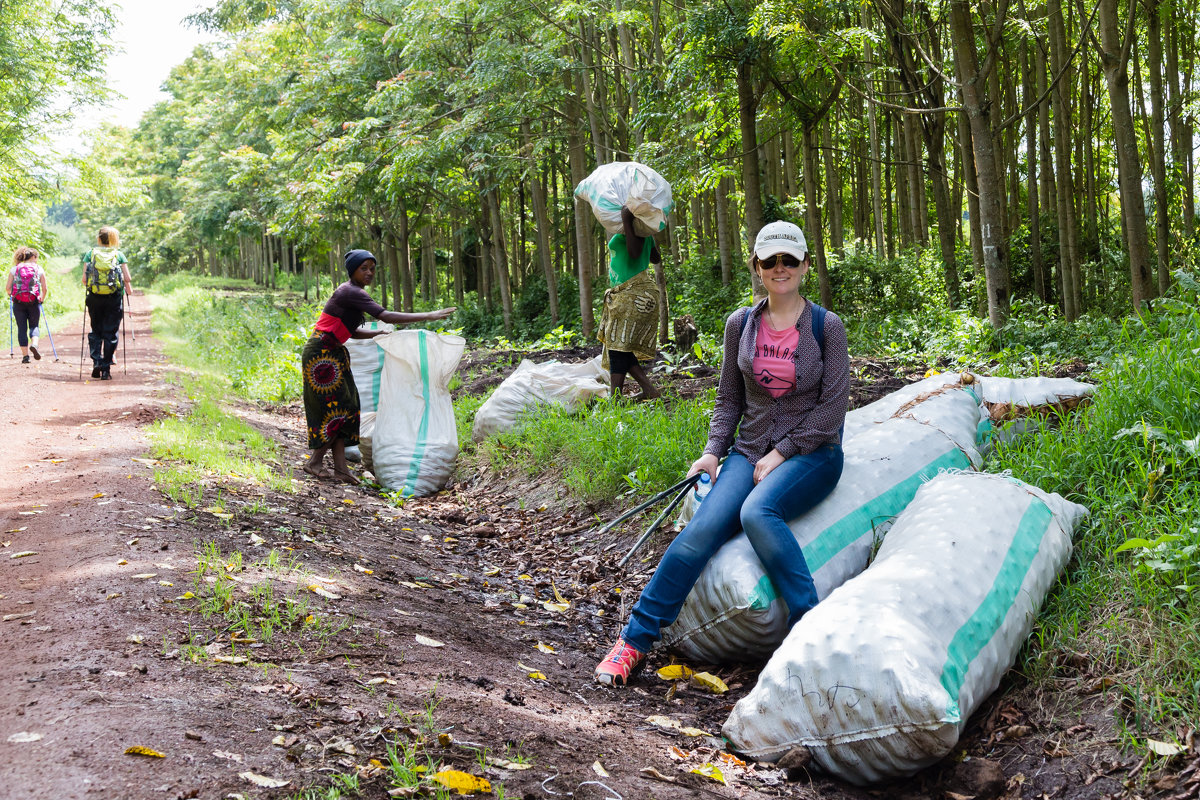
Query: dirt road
(461, 628)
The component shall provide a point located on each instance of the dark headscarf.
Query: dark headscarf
(355, 259)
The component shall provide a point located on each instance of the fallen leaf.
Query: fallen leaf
(138, 750)
(1164, 748)
(122, 562)
(502, 763)
(363, 570)
(321, 592)
(558, 595)
(256, 540)
(491, 572)
(186, 596)
(24, 554)
(231, 659)
(165, 583)
(23, 737)
(97, 495)
(462, 782)
(709, 682)
(227, 756)
(674, 725)
(425, 640)
(525, 576)
(560, 607)
(348, 501)
(710, 771)
(135, 638)
(538, 676)
(545, 648)
(144, 576)
(599, 769)
(675, 672)
(25, 615)
(653, 774)
(263, 781)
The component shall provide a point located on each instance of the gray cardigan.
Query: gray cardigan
(804, 419)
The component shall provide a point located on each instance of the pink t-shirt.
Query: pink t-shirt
(774, 369)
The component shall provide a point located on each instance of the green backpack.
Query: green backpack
(103, 271)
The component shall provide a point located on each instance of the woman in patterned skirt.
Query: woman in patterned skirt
(629, 320)
(330, 397)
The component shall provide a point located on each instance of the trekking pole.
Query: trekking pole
(659, 520)
(82, 338)
(10, 324)
(686, 483)
(132, 333)
(49, 333)
(124, 361)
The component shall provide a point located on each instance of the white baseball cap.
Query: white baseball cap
(780, 237)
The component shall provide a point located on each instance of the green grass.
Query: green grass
(207, 445)
(607, 448)
(232, 333)
(1130, 596)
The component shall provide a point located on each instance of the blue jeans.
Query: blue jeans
(735, 504)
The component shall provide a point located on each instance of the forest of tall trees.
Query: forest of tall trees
(1039, 150)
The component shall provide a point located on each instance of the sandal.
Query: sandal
(319, 474)
(346, 477)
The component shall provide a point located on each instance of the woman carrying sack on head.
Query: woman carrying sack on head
(105, 274)
(27, 289)
(629, 320)
(331, 405)
(781, 404)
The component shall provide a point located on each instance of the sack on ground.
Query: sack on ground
(879, 680)
(566, 385)
(627, 183)
(415, 441)
(366, 365)
(733, 612)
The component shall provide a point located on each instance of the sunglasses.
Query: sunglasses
(791, 262)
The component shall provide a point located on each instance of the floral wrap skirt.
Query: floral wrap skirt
(331, 402)
(629, 321)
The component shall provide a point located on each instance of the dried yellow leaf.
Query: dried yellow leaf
(231, 659)
(138, 750)
(599, 769)
(462, 782)
(24, 554)
(144, 576)
(348, 501)
(558, 595)
(545, 648)
(709, 682)
(363, 570)
(97, 495)
(559, 607)
(122, 562)
(186, 596)
(524, 576)
(675, 672)
(165, 583)
(321, 592)
(491, 572)
(710, 771)
(538, 676)
(445, 739)
(425, 640)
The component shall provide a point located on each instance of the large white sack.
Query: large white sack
(415, 441)
(366, 365)
(733, 612)
(879, 680)
(628, 183)
(366, 429)
(566, 385)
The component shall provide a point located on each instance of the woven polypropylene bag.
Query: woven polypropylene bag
(415, 441)
(879, 679)
(627, 183)
(530, 385)
(733, 613)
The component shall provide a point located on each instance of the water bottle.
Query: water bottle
(703, 486)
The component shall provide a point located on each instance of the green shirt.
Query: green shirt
(620, 266)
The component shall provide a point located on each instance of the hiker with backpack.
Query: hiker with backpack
(27, 290)
(781, 404)
(105, 275)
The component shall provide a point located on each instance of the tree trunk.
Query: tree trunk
(1028, 95)
(726, 238)
(977, 107)
(1180, 141)
(1158, 156)
(876, 177)
(816, 243)
(751, 182)
(833, 188)
(500, 257)
(1067, 226)
(1113, 58)
(968, 161)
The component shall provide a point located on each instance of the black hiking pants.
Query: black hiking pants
(28, 316)
(105, 312)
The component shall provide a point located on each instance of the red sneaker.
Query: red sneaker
(616, 667)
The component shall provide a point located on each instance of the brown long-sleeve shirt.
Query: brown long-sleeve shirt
(799, 422)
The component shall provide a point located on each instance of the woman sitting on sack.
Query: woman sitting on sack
(781, 404)
(629, 321)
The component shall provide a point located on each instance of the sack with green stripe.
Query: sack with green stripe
(627, 183)
(415, 441)
(366, 365)
(733, 613)
(532, 385)
(878, 681)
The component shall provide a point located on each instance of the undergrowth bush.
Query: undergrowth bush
(1133, 458)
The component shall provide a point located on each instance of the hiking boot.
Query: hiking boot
(616, 667)
(24, 359)
(96, 371)
(105, 375)
(36, 355)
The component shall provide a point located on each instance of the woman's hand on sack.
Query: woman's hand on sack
(705, 463)
(767, 463)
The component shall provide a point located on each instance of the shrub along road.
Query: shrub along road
(262, 642)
